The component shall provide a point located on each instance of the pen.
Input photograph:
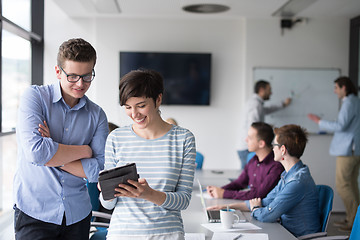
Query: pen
(238, 236)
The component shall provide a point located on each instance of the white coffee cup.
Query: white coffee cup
(227, 217)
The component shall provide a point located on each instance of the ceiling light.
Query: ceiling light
(205, 8)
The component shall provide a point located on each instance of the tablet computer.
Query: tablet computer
(110, 179)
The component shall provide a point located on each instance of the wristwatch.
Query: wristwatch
(255, 207)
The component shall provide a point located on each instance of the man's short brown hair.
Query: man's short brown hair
(77, 50)
(260, 84)
(264, 132)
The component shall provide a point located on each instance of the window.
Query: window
(18, 15)
(16, 67)
(21, 64)
(21, 54)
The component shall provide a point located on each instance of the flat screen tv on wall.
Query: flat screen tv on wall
(186, 75)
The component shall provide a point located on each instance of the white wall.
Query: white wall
(237, 45)
(316, 43)
(321, 43)
(210, 124)
(58, 28)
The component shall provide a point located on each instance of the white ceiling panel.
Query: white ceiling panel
(173, 8)
(333, 8)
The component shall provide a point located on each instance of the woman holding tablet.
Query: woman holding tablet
(165, 158)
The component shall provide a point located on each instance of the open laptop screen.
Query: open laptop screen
(214, 215)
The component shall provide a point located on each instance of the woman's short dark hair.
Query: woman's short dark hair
(140, 83)
(349, 86)
(77, 50)
(264, 132)
(293, 137)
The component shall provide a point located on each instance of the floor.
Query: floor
(332, 230)
(7, 232)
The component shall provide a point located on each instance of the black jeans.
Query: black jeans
(28, 228)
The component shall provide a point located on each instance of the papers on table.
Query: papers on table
(217, 227)
(244, 236)
(194, 236)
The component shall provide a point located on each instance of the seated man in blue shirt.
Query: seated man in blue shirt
(61, 138)
(260, 175)
(295, 199)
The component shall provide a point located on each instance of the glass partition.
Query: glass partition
(16, 76)
(18, 12)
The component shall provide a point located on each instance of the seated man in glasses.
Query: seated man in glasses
(61, 138)
(260, 175)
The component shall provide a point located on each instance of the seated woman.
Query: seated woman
(295, 199)
(165, 158)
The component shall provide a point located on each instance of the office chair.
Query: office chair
(326, 196)
(98, 229)
(199, 160)
(250, 156)
(355, 231)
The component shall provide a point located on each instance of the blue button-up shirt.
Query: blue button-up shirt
(46, 193)
(346, 128)
(294, 200)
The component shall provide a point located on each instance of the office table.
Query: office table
(194, 215)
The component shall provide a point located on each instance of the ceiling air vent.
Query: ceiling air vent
(206, 8)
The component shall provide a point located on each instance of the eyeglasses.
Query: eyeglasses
(276, 144)
(73, 78)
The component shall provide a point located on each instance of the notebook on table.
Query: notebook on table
(213, 216)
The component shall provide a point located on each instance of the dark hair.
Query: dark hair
(112, 126)
(349, 86)
(140, 83)
(293, 137)
(77, 50)
(264, 132)
(260, 84)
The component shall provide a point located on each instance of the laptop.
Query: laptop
(213, 216)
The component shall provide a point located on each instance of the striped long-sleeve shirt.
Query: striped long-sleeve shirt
(167, 163)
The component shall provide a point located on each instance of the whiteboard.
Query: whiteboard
(311, 90)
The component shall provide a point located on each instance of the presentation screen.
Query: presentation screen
(186, 75)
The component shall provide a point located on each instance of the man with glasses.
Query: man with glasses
(260, 175)
(61, 138)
